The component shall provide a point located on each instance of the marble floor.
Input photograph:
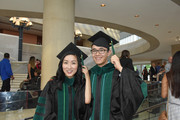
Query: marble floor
(26, 113)
(152, 114)
(21, 114)
(17, 114)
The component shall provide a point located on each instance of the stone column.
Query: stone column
(58, 31)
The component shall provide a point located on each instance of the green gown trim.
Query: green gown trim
(63, 100)
(40, 109)
(106, 73)
(60, 104)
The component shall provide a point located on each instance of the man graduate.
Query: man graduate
(116, 90)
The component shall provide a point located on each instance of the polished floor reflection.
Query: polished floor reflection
(17, 114)
(26, 113)
(20, 105)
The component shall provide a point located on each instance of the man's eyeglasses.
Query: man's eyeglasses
(100, 51)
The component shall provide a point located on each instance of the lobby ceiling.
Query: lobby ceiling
(157, 21)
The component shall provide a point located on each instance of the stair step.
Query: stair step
(16, 82)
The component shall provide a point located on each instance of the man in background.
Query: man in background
(168, 65)
(153, 72)
(6, 73)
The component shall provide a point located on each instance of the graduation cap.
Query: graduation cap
(104, 40)
(72, 48)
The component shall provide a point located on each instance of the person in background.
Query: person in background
(170, 88)
(31, 67)
(38, 64)
(68, 95)
(168, 65)
(158, 67)
(161, 73)
(6, 73)
(32, 84)
(126, 61)
(153, 72)
(163, 116)
(164, 63)
(137, 71)
(145, 74)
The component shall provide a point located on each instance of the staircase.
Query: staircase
(16, 82)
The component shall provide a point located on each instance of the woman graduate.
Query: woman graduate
(68, 95)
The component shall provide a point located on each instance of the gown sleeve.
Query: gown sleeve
(115, 98)
(127, 96)
(131, 94)
(82, 111)
(44, 105)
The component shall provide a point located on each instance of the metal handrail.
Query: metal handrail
(152, 107)
(28, 118)
(16, 101)
(149, 108)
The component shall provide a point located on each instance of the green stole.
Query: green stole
(63, 100)
(106, 73)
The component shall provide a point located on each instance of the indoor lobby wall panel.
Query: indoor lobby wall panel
(27, 38)
(9, 44)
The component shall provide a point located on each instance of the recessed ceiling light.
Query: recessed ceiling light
(136, 16)
(105, 28)
(169, 31)
(177, 39)
(103, 5)
(156, 25)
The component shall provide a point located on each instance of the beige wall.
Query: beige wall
(27, 38)
(175, 48)
(157, 61)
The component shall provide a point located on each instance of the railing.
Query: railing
(151, 107)
(147, 112)
(18, 100)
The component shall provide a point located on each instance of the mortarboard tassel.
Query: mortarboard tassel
(82, 61)
(112, 47)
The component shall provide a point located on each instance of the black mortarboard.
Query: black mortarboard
(72, 48)
(102, 39)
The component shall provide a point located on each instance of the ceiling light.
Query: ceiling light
(169, 31)
(177, 39)
(136, 16)
(103, 5)
(78, 33)
(21, 23)
(105, 28)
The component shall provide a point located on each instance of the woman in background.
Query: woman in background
(145, 74)
(126, 61)
(31, 67)
(171, 88)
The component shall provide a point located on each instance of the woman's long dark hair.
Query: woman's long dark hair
(173, 75)
(125, 53)
(60, 76)
(32, 61)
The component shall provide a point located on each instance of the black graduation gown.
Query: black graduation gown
(125, 97)
(47, 108)
(130, 95)
(153, 71)
(127, 63)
